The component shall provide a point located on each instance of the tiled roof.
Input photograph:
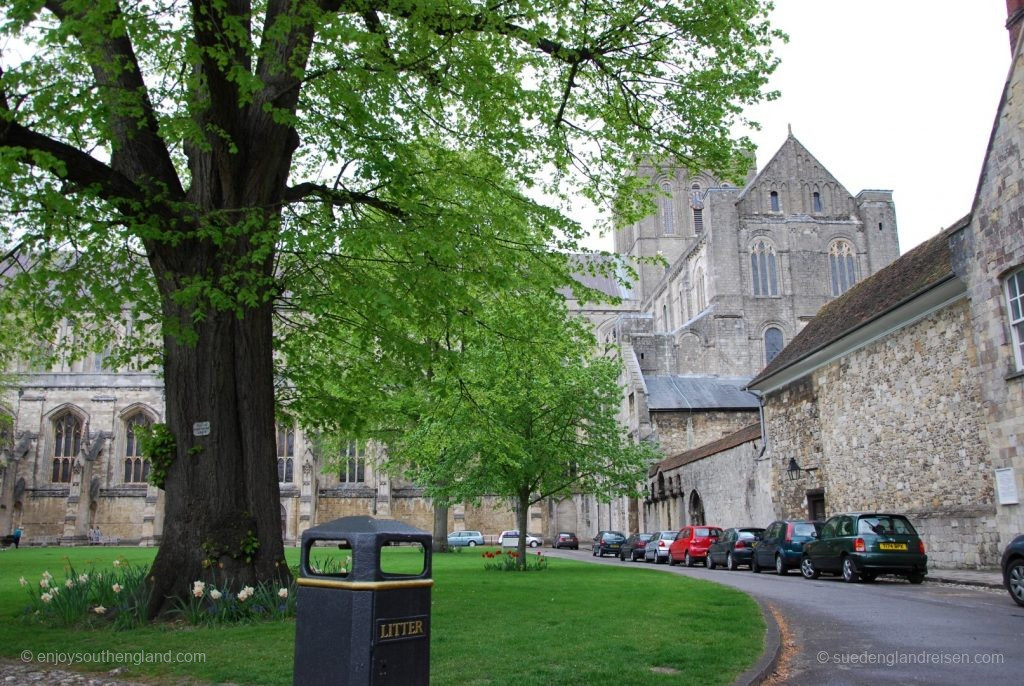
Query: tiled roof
(677, 392)
(924, 267)
(744, 435)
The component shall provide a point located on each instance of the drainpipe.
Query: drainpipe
(760, 416)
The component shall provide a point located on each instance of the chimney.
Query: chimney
(1014, 17)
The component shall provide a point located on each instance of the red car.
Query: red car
(692, 544)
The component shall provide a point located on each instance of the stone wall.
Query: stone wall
(995, 234)
(679, 431)
(912, 441)
(733, 486)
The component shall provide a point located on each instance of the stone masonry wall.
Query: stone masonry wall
(733, 487)
(680, 431)
(912, 441)
(989, 251)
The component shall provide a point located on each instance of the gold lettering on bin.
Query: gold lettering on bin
(397, 629)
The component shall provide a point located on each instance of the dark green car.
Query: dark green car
(862, 545)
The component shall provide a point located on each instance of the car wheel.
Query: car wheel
(687, 560)
(730, 562)
(850, 573)
(919, 578)
(754, 567)
(709, 562)
(808, 570)
(533, 544)
(780, 566)
(593, 551)
(472, 544)
(1015, 579)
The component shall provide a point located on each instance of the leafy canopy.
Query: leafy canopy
(231, 148)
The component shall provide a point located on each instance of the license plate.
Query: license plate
(892, 546)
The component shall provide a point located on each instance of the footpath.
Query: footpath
(985, 578)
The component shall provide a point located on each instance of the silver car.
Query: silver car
(458, 539)
(656, 550)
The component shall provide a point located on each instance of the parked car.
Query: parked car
(566, 539)
(863, 545)
(509, 539)
(692, 543)
(634, 547)
(458, 539)
(782, 545)
(656, 550)
(608, 542)
(733, 548)
(1013, 569)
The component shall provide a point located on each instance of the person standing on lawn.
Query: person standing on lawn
(17, 536)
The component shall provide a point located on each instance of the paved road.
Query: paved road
(913, 634)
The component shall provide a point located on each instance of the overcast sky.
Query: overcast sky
(892, 94)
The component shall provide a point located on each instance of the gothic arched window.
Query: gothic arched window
(353, 462)
(816, 201)
(136, 467)
(842, 273)
(668, 221)
(763, 268)
(67, 441)
(772, 343)
(285, 454)
(774, 199)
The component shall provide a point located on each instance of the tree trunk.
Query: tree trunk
(440, 526)
(522, 515)
(222, 519)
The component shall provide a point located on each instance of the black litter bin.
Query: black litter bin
(359, 622)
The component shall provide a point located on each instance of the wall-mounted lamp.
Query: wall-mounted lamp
(795, 471)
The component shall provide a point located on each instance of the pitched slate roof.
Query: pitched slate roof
(921, 269)
(744, 435)
(677, 392)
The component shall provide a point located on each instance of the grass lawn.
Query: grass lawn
(572, 623)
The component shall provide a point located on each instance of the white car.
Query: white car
(510, 539)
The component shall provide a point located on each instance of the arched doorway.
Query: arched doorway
(284, 523)
(696, 509)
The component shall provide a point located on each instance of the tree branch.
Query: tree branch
(137, 150)
(340, 197)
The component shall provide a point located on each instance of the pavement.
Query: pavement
(985, 578)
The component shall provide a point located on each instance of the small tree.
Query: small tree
(532, 415)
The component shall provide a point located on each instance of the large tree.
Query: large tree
(163, 158)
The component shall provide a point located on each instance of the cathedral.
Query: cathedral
(741, 270)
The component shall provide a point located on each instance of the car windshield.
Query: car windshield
(803, 529)
(885, 525)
